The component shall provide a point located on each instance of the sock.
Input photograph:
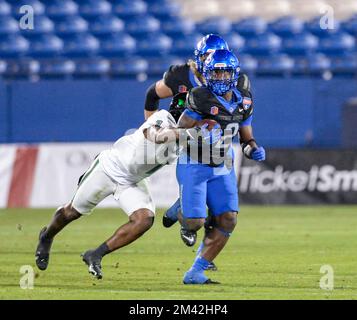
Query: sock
(200, 264)
(102, 250)
(199, 249)
(173, 211)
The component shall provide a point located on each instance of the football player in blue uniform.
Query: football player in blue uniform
(208, 178)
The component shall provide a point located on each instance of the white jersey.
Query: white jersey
(133, 157)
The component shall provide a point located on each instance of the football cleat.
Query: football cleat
(42, 254)
(93, 262)
(188, 237)
(194, 277)
(170, 216)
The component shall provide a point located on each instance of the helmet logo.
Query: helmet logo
(214, 110)
(220, 65)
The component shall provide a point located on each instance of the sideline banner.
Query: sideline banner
(300, 177)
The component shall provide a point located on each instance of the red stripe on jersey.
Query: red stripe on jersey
(23, 173)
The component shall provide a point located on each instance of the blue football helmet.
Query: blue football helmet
(205, 46)
(221, 71)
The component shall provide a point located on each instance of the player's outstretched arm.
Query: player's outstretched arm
(154, 93)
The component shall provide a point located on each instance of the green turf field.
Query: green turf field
(274, 253)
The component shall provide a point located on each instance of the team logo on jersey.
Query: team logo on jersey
(247, 102)
(182, 88)
(214, 110)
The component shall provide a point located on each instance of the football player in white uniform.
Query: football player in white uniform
(121, 172)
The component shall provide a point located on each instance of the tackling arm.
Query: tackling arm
(155, 92)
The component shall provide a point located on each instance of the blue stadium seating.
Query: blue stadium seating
(129, 8)
(117, 45)
(131, 66)
(164, 9)
(154, 44)
(142, 25)
(42, 25)
(157, 66)
(337, 43)
(250, 26)
(8, 25)
(314, 26)
(177, 26)
(236, 42)
(351, 26)
(59, 9)
(184, 45)
(287, 26)
(263, 44)
(13, 46)
(71, 25)
(156, 31)
(47, 45)
(91, 9)
(81, 45)
(217, 25)
(56, 68)
(5, 8)
(105, 25)
(300, 44)
(91, 68)
(37, 6)
(280, 64)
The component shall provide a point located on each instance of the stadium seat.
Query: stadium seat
(125, 9)
(164, 9)
(318, 63)
(280, 64)
(42, 25)
(117, 45)
(105, 25)
(71, 25)
(250, 26)
(235, 42)
(47, 45)
(300, 44)
(314, 26)
(157, 66)
(177, 26)
(91, 9)
(97, 67)
(59, 9)
(3, 67)
(13, 46)
(337, 43)
(140, 26)
(184, 45)
(37, 6)
(5, 8)
(22, 68)
(248, 63)
(345, 64)
(81, 45)
(131, 66)
(263, 44)
(154, 44)
(286, 26)
(55, 68)
(8, 25)
(351, 25)
(217, 25)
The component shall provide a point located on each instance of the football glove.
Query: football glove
(211, 136)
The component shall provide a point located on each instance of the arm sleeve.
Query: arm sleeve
(152, 99)
(170, 79)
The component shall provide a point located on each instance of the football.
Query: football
(211, 123)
